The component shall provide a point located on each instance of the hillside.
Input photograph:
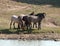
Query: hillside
(17, 7)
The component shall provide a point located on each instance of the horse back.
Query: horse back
(14, 18)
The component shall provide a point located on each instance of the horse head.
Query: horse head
(41, 15)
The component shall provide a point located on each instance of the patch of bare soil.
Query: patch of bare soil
(50, 25)
(41, 36)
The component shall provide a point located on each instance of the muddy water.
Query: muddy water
(29, 43)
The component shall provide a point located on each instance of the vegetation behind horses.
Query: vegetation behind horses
(50, 7)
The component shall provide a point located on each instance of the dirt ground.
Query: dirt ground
(41, 36)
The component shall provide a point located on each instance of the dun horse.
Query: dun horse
(16, 19)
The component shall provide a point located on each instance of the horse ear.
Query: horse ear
(31, 13)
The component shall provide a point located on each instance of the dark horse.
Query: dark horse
(27, 22)
(41, 16)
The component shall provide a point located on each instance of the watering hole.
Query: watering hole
(29, 43)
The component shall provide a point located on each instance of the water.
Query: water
(29, 43)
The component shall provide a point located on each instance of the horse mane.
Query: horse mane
(42, 15)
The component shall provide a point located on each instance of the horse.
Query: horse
(20, 23)
(27, 21)
(15, 19)
(36, 19)
(18, 19)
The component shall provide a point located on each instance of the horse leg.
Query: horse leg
(39, 25)
(36, 25)
(33, 25)
(14, 25)
(18, 26)
(30, 26)
(10, 24)
(27, 27)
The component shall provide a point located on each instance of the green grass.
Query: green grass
(47, 30)
(33, 31)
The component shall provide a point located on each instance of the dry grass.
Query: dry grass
(9, 7)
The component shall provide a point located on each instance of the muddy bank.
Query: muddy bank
(41, 36)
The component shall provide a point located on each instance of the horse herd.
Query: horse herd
(28, 21)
